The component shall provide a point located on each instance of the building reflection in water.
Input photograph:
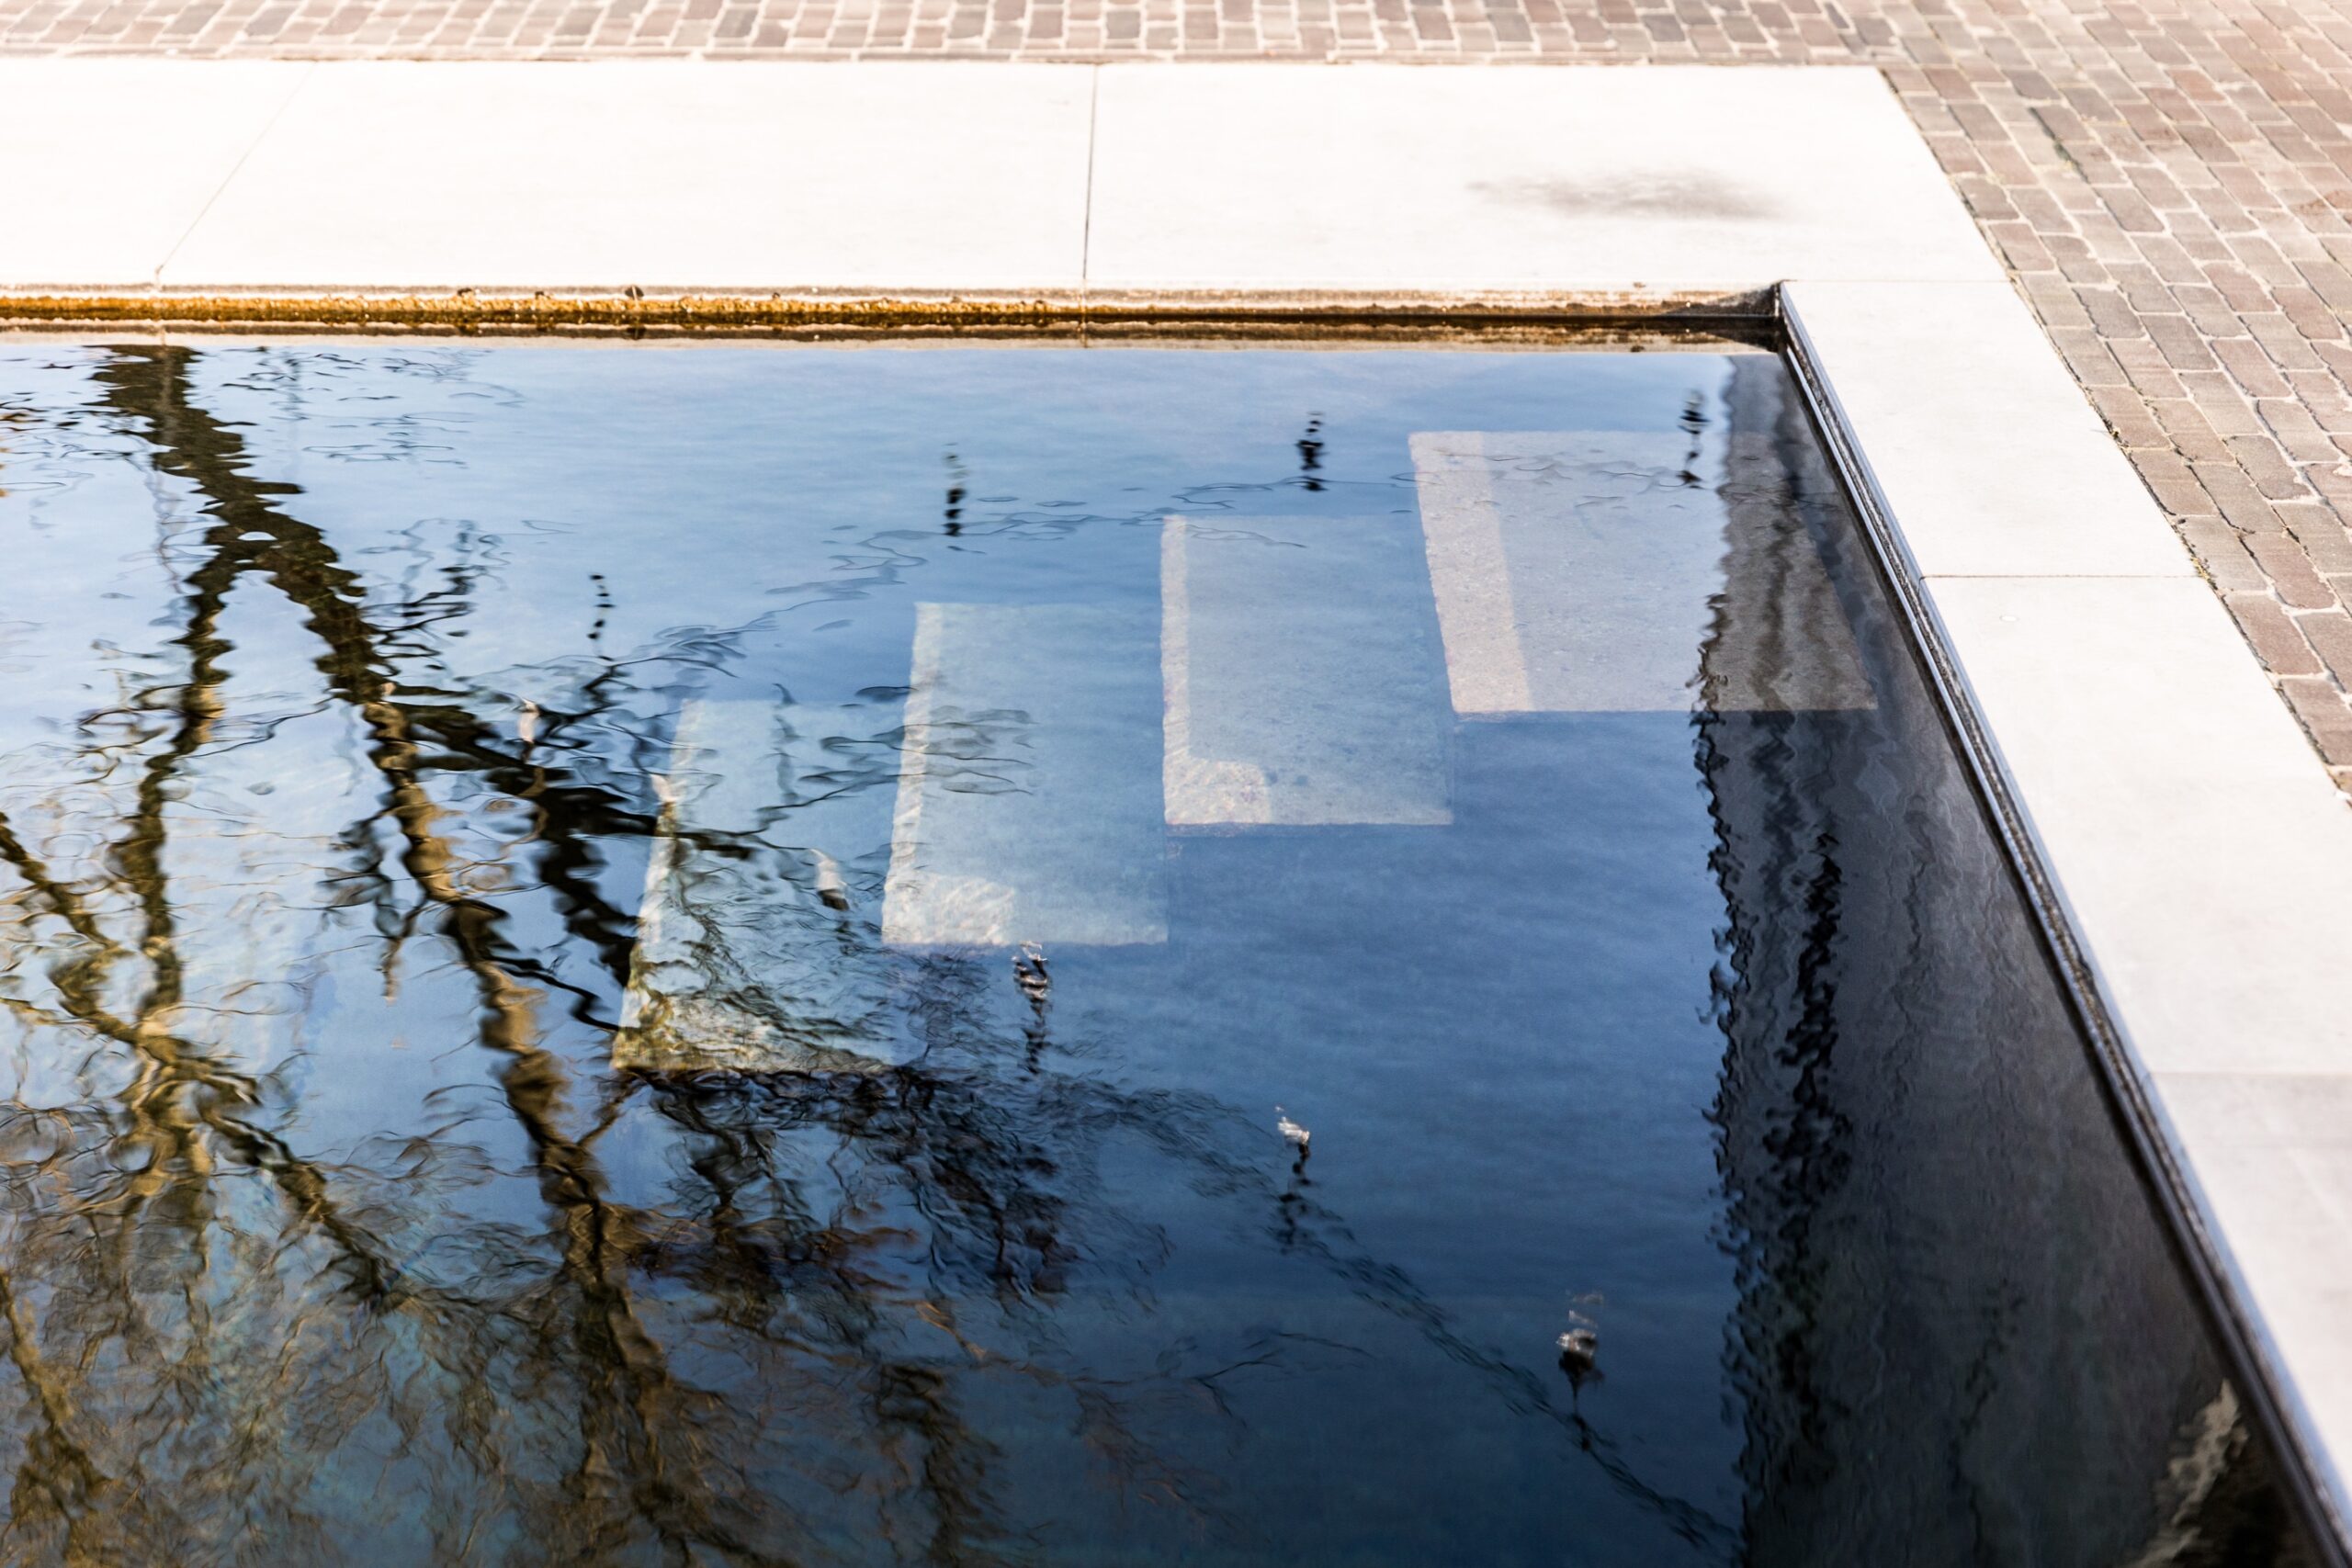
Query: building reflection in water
(600, 1107)
(1939, 1241)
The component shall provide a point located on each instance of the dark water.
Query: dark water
(689, 955)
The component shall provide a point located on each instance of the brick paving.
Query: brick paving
(2169, 183)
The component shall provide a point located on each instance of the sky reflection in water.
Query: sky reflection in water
(689, 954)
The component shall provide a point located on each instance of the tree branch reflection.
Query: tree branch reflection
(496, 1328)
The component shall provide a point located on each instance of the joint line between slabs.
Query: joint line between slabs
(310, 70)
(1086, 224)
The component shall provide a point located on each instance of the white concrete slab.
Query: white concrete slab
(660, 174)
(107, 163)
(1301, 673)
(1582, 571)
(1029, 800)
(1976, 435)
(2273, 1159)
(1384, 177)
(934, 175)
(2205, 856)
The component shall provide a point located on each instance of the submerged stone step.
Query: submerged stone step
(752, 954)
(1591, 571)
(1303, 677)
(1029, 802)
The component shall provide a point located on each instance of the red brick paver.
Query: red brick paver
(2169, 183)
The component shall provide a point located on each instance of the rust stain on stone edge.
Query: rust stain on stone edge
(464, 310)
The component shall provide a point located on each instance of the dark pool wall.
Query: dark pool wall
(1952, 1285)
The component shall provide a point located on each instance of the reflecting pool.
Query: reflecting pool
(1021, 953)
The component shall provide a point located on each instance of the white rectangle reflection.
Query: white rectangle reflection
(1582, 571)
(1029, 802)
(1302, 673)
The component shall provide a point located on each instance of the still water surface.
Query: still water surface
(734, 954)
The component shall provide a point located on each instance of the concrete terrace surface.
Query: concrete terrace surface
(1065, 180)
(2170, 182)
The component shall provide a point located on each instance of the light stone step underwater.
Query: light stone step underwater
(757, 949)
(1303, 677)
(1581, 571)
(1029, 804)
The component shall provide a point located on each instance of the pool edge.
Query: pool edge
(635, 308)
(2319, 1484)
